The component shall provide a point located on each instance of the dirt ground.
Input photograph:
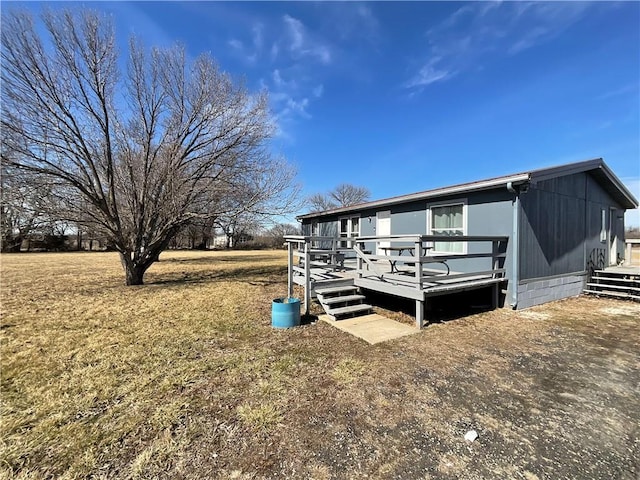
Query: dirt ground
(177, 380)
(553, 392)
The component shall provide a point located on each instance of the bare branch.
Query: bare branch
(344, 195)
(140, 155)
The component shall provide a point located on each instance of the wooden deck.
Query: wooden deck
(403, 276)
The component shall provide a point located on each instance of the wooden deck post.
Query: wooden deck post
(359, 260)
(419, 303)
(290, 270)
(307, 278)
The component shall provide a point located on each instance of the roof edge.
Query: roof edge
(532, 175)
(452, 190)
(620, 186)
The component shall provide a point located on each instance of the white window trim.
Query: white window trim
(603, 225)
(450, 203)
(349, 218)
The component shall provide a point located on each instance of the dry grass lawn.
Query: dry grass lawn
(185, 378)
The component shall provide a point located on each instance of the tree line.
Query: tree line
(136, 153)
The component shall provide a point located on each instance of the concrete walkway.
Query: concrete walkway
(372, 328)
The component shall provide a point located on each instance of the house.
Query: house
(533, 237)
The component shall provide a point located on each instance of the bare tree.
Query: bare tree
(277, 233)
(344, 195)
(133, 156)
(237, 227)
(319, 202)
(22, 210)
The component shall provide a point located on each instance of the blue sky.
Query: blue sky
(407, 96)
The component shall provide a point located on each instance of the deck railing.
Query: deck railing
(409, 265)
(309, 249)
(632, 252)
(411, 258)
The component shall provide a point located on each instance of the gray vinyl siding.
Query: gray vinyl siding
(326, 228)
(560, 225)
(488, 213)
(368, 226)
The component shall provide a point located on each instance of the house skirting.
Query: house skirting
(537, 291)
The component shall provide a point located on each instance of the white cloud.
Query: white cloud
(247, 55)
(257, 36)
(298, 106)
(462, 41)
(302, 44)
(274, 51)
(277, 79)
(235, 43)
(351, 21)
(287, 107)
(529, 39)
(294, 57)
(322, 52)
(429, 74)
(296, 32)
(280, 83)
(624, 90)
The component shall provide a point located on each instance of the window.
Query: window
(603, 226)
(349, 228)
(448, 220)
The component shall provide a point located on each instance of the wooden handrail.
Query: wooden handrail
(436, 238)
(365, 257)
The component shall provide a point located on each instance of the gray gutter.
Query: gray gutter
(515, 247)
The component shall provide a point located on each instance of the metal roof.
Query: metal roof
(597, 167)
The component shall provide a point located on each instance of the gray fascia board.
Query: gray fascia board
(596, 164)
(547, 173)
(633, 201)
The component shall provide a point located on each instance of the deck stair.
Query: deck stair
(343, 302)
(607, 283)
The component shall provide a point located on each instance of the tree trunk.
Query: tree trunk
(134, 274)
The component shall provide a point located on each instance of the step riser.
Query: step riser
(612, 279)
(617, 295)
(354, 299)
(343, 302)
(350, 310)
(614, 284)
(595, 286)
(327, 292)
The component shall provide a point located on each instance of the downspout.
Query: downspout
(515, 246)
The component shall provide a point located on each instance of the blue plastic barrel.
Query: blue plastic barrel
(285, 312)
